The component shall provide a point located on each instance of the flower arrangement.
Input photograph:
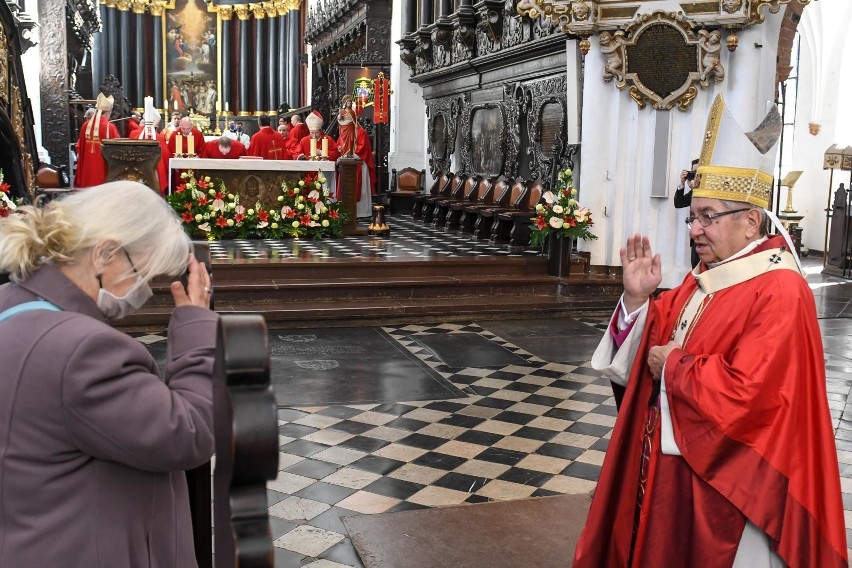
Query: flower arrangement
(205, 206)
(560, 214)
(7, 204)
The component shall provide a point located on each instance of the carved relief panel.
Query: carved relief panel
(443, 116)
(484, 139)
(544, 104)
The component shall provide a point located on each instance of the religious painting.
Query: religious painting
(191, 62)
(486, 140)
(363, 90)
(551, 125)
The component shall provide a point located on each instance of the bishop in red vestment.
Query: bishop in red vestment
(134, 126)
(268, 143)
(723, 451)
(186, 130)
(315, 123)
(294, 139)
(223, 149)
(91, 168)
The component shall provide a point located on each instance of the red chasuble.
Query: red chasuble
(211, 150)
(163, 166)
(268, 144)
(91, 168)
(365, 151)
(198, 142)
(751, 419)
(305, 147)
(294, 139)
(133, 128)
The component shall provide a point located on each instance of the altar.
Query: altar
(255, 180)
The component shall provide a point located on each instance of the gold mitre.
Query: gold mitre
(735, 165)
(104, 103)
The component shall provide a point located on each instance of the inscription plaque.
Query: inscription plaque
(661, 59)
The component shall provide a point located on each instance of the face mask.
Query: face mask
(232, 128)
(115, 307)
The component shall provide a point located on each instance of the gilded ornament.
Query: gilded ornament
(585, 45)
(258, 11)
(225, 13)
(731, 6)
(581, 11)
(157, 7)
(242, 11)
(123, 5)
(637, 96)
(756, 14)
(732, 41)
(270, 9)
(139, 6)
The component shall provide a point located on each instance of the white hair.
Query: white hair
(127, 212)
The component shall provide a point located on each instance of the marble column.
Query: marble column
(410, 17)
(159, 91)
(244, 104)
(124, 67)
(427, 11)
(293, 77)
(99, 53)
(283, 57)
(110, 31)
(227, 92)
(259, 57)
(445, 8)
(137, 94)
(272, 61)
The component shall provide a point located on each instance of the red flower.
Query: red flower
(290, 214)
(221, 222)
(5, 212)
(304, 219)
(332, 214)
(310, 177)
(187, 205)
(219, 195)
(5, 187)
(540, 222)
(188, 218)
(571, 221)
(202, 200)
(238, 218)
(262, 215)
(181, 188)
(203, 184)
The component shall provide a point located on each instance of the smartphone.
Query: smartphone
(201, 252)
(690, 175)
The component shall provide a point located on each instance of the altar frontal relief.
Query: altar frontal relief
(191, 62)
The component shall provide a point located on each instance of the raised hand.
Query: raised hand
(642, 271)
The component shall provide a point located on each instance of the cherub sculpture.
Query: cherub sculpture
(710, 46)
(611, 46)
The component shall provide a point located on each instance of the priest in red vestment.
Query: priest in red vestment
(268, 143)
(354, 139)
(315, 122)
(91, 168)
(134, 125)
(723, 451)
(180, 139)
(150, 133)
(298, 130)
(223, 149)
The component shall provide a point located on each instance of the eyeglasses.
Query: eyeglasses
(130, 260)
(704, 219)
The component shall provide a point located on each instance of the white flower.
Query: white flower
(325, 222)
(314, 194)
(300, 206)
(231, 206)
(556, 222)
(204, 227)
(549, 197)
(230, 196)
(250, 211)
(230, 222)
(326, 192)
(318, 207)
(212, 192)
(317, 184)
(295, 224)
(572, 202)
(218, 205)
(274, 225)
(301, 183)
(573, 192)
(262, 224)
(558, 209)
(207, 179)
(324, 209)
(198, 218)
(240, 210)
(280, 198)
(582, 215)
(321, 179)
(539, 208)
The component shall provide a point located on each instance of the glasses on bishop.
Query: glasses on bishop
(704, 219)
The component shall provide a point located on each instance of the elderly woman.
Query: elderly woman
(93, 441)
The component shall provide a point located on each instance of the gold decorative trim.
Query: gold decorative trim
(270, 9)
(122, 5)
(733, 184)
(243, 11)
(4, 67)
(225, 13)
(714, 120)
(757, 16)
(139, 6)
(693, 8)
(157, 8)
(258, 10)
(623, 12)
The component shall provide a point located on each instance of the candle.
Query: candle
(166, 106)
(325, 147)
(313, 148)
(175, 105)
(226, 106)
(190, 144)
(149, 110)
(178, 144)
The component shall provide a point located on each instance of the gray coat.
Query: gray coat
(92, 441)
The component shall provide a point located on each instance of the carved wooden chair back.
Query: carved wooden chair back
(518, 193)
(438, 184)
(469, 191)
(483, 191)
(408, 179)
(533, 195)
(501, 192)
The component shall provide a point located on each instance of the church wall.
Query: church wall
(31, 63)
(619, 141)
(822, 85)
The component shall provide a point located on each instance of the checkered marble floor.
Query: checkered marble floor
(409, 240)
(523, 431)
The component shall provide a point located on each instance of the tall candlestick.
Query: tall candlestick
(325, 147)
(190, 145)
(313, 148)
(166, 108)
(226, 106)
(178, 144)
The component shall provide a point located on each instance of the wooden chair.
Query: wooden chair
(431, 202)
(460, 195)
(513, 227)
(246, 422)
(434, 190)
(486, 217)
(405, 185)
(497, 196)
(481, 194)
